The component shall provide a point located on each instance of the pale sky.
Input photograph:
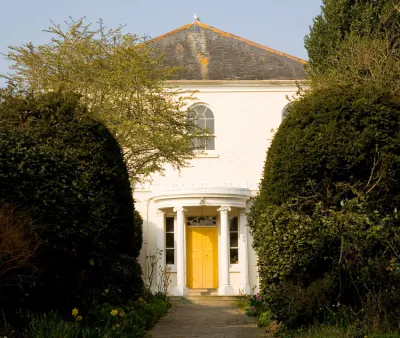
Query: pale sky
(278, 24)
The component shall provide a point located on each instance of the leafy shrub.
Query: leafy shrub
(255, 306)
(106, 321)
(325, 223)
(326, 331)
(69, 171)
(264, 319)
(334, 331)
(150, 312)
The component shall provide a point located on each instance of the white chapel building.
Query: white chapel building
(197, 216)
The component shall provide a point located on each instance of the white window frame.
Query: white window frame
(207, 152)
(170, 248)
(234, 247)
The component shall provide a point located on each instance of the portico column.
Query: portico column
(224, 285)
(181, 289)
(160, 243)
(243, 254)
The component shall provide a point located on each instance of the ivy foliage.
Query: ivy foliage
(68, 170)
(325, 222)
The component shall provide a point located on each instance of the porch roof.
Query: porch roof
(217, 196)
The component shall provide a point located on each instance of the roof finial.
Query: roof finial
(196, 18)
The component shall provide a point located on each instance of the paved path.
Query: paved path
(211, 320)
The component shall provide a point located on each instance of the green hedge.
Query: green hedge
(325, 223)
(69, 171)
(333, 136)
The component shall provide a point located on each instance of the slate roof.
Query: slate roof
(207, 53)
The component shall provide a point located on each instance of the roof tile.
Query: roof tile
(207, 53)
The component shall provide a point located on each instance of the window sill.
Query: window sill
(206, 154)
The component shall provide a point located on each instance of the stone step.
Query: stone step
(215, 298)
(203, 292)
(206, 299)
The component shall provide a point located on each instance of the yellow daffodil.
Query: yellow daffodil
(75, 312)
(117, 325)
(114, 312)
(122, 314)
(78, 318)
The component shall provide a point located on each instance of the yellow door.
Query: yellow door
(202, 257)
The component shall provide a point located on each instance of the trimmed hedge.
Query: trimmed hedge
(69, 171)
(333, 136)
(325, 223)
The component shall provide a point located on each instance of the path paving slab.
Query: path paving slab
(207, 319)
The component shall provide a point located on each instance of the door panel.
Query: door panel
(210, 258)
(202, 257)
(194, 258)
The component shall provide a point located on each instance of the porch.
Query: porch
(204, 241)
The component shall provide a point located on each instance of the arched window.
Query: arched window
(286, 110)
(203, 118)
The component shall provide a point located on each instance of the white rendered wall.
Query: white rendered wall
(244, 120)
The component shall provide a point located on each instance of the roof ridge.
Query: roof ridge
(226, 34)
(160, 37)
(255, 44)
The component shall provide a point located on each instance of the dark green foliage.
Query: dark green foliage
(335, 136)
(372, 19)
(69, 171)
(325, 223)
